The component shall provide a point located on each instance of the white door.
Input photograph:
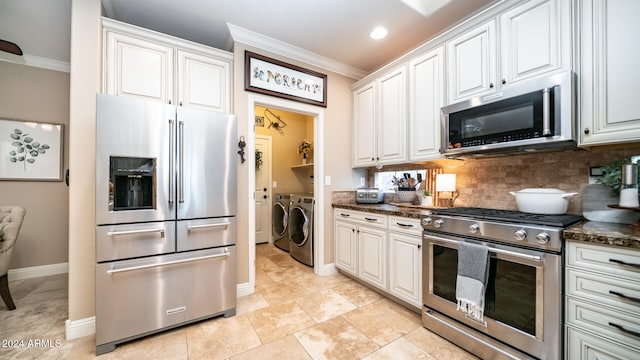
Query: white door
(263, 189)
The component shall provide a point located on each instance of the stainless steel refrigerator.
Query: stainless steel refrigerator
(166, 195)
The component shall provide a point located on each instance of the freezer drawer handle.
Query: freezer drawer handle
(114, 271)
(136, 232)
(208, 226)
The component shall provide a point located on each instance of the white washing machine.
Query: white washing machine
(301, 228)
(280, 221)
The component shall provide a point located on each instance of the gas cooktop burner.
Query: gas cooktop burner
(563, 220)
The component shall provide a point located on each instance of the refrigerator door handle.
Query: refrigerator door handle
(181, 161)
(171, 160)
(135, 232)
(208, 226)
(113, 270)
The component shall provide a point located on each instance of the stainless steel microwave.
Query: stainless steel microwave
(534, 115)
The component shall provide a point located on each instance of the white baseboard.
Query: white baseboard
(327, 269)
(38, 271)
(245, 289)
(80, 328)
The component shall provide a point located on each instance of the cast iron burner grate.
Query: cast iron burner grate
(562, 221)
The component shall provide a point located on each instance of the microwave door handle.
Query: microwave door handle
(171, 160)
(546, 112)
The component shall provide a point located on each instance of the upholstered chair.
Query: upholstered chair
(10, 222)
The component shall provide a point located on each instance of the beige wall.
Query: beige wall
(337, 149)
(284, 150)
(35, 94)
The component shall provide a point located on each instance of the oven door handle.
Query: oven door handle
(499, 251)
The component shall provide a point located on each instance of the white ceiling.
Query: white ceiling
(335, 29)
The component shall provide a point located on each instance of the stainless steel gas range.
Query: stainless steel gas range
(523, 313)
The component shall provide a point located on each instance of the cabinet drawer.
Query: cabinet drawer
(616, 325)
(609, 260)
(619, 294)
(371, 219)
(405, 225)
(581, 345)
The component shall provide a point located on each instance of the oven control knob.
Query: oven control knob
(520, 234)
(426, 221)
(438, 223)
(542, 238)
(474, 228)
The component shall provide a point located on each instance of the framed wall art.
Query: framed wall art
(30, 150)
(273, 77)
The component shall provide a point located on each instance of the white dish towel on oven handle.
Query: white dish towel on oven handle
(471, 281)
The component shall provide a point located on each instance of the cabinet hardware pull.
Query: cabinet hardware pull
(586, 131)
(345, 215)
(637, 266)
(621, 328)
(370, 219)
(404, 225)
(634, 299)
(419, 246)
(491, 85)
(504, 81)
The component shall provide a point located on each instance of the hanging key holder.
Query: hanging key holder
(242, 144)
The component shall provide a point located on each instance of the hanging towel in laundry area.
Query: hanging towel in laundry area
(471, 281)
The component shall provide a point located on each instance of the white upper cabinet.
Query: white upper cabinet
(154, 66)
(472, 62)
(380, 120)
(364, 125)
(203, 81)
(392, 117)
(426, 97)
(534, 39)
(136, 67)
(609, 71)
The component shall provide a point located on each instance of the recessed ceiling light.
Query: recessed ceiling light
(378, 33)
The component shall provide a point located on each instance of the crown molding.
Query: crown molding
(266, 43)
(37, 61)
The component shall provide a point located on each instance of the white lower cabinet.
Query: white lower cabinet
(384, 251)
(602, 306)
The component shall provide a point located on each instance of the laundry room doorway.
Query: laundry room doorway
(263, 194)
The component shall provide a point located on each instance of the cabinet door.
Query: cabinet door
(372, 256)
(364, 126)
(609, 72)
(203, 82)
(426, 97)
(405, 268)
(392, 117)
(472, 63)
(346, 247)
(586, 346)
(136, 67)
(532, 37)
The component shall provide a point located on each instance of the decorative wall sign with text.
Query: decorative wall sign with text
(273, 77)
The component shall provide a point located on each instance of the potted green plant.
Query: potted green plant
(427, 199)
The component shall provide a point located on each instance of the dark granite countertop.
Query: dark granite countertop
(385, 209)
(605, 233)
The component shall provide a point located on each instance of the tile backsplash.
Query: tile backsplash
(487, 182)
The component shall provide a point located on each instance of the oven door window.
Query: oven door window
(510, 297)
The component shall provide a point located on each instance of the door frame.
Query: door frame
(318, 173)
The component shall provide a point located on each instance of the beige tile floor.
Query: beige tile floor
(292, 315)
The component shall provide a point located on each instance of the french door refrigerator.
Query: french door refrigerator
(165, 217)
